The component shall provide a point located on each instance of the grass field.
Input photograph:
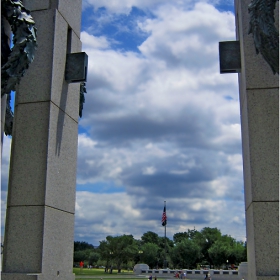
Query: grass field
(98, 274)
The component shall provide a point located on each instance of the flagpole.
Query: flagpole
(165, 238)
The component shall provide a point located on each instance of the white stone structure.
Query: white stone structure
(39, 229)
(259, 105)
(193, 274)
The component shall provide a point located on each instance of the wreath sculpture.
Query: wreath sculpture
(15, 61)
(82, 98)
(265, 34)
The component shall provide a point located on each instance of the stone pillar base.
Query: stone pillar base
(243, 270)
(39, 276)
(19, 276)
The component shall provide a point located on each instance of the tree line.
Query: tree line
(189, 250)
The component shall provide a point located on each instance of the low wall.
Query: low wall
(195, 274)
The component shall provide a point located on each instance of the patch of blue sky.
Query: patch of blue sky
(101, 187)
(225, 6)
(83, 129)
(121, 29)
(227, 97)
(12, 102)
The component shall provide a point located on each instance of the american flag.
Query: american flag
(164, 218)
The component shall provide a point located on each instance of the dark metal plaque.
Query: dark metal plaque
(230, 61)
(76, 67)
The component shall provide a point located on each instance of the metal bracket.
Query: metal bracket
(76, 67)
(230, 61)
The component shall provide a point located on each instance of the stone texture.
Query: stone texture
(61, 158)
(71, 11)
(48, 66)
(243, 270)
(64, 95)
(58, 231)
(259, 106)
(76, 44)
(19, 276)
(258, 73)
(58, 85)
(41, 195)
(28, 166)
(36, 84)
(52, 165)
(264, 233)
(245, 144)
(25, 227)
(46, 226)
(261, 156)
(36, 5)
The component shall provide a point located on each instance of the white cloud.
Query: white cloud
(4, 178)
(161, 124)
(117, 214)
(166, 122)
(93, 42)
(125, 6)
(150, 170)
(85, 142)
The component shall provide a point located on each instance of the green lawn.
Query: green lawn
(98, 274)
(86, 271)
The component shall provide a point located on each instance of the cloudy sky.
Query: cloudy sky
(160, 123)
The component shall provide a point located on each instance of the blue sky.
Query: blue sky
(159, 122)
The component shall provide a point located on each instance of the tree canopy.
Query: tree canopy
(187, 250)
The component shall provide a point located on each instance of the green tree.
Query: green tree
(150, 254)
(185, 254)
(162, 241)
(84, 251)
(118, 250)
(125, 248)
(165, 245)
(178, 237)
(244, 258)
(205, 239)
(150, 237)
(122, 251)
(80, 256)
(81, 245)
(93, 258)
(190, 234)
(219, 252)
(236, 251)
(104, 251)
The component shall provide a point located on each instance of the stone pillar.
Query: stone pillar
(259, 105)
(39, 231)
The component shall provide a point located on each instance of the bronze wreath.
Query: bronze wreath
(82, 98)
(265, 34)
(15, 61)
